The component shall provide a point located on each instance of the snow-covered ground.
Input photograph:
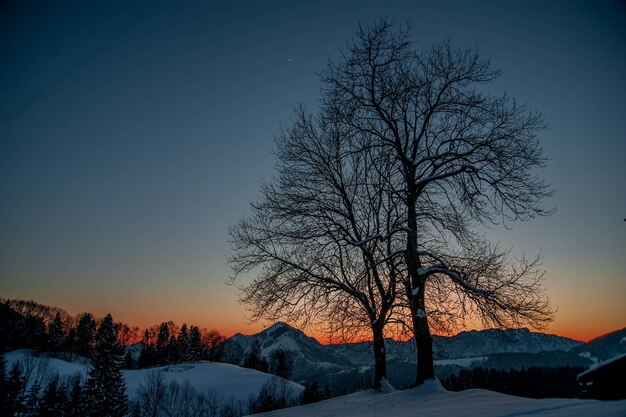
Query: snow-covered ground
(428, 400)
(431, 400)
(230, 381)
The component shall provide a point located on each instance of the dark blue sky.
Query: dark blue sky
(133, 135)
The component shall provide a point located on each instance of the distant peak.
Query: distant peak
(278, 325)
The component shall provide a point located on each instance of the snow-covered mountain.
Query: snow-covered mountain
(350, 364)
(470, 344)
(308, 356)
(603, 347)
(487, 342)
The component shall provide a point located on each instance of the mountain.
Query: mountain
(309, 357)
(470, 344)
(487, 342)
(350, 365)
(603, 347)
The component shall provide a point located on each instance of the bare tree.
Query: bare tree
(323, 237)
(151, 394)
(460, 157)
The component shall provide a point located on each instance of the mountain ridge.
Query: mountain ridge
(313, 360)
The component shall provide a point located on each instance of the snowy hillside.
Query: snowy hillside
(603, 347)
(432, 400)
(228, 380)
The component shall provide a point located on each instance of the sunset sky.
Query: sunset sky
(133, 134)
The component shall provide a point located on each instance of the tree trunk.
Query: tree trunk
(421, 330)
(380, 356)
(423, 341)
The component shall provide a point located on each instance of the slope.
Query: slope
(603, 347)
(228, 380)
(432, 400)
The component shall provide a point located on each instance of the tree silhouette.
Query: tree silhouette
(383, 192)
(85, 331)
(56, 333)
(324, 237)
(105, 387)
(461, 157)
(282, 366)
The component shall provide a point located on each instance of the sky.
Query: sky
(133, 134)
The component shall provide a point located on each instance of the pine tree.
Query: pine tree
(129, 361)
(263, 365)
(173, 351)
(282, 367)
(163, 338)
(69, 342)
(148, 356)
(73, 406)
(15, 391)
(54, 400)
(105, 387)
(3, 381)
(196, 349)
(311, 394)
(254, 359)
(183, 343)
(56, 332)
(85, 334)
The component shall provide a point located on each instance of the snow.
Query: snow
(228, 380)
(282, 343)
(588, 356)
(601, 365)
(623, 340)
(63, 368)
(386, 387)
(462, 362)
(421, 314)
(415, 290)
(431, 399)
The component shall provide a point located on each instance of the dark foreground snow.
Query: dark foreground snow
(432, 400)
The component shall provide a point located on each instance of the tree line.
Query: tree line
(30, 325)
(534, 382)
(28, 388)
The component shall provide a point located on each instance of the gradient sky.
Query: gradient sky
(133, 134)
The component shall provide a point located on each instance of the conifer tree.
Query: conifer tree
(282, 367)
(173, 351)
(105, 387)
(56, 333)
(73, 405)
(15, 390)
(195, 344)
(254, 359)
(163, 338)
(129, 361)
(3, 381)
(85, 331)
(147, 357)
(183, 343)
(54, 399)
